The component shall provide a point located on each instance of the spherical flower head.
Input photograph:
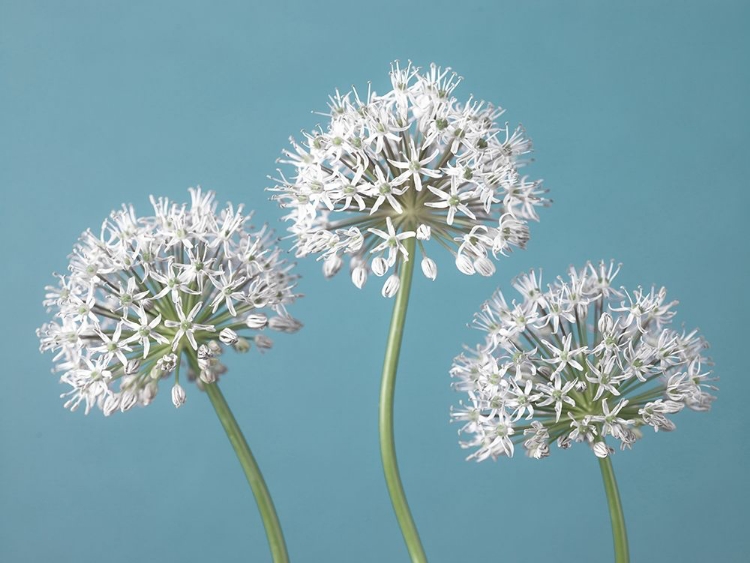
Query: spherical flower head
(411, 164)
(579, 362)
(153, 294)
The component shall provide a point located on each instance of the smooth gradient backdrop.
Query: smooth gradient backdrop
(639, 115)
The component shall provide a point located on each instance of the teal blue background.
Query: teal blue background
(639, 114)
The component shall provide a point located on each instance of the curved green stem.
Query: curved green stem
(252, 472)
(619, 533)
(387, 391)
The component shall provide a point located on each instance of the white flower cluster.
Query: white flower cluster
(149, 291)
(576, 363)
(411, 164)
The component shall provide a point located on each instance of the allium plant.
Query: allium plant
(411, 165)
(387, 174)
(154, 298)
(579, 361)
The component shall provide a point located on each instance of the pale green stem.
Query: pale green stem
(619, 534)
(252, 472)
(387, 392)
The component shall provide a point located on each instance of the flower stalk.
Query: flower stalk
(619, 533)
(387, 394)
(252, 472)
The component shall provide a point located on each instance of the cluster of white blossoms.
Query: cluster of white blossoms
(578, 362)
(152, 293)
(391, 172)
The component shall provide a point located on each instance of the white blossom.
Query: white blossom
(153, 294)
(413, 162)
(579, 362)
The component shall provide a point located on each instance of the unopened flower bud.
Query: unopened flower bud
(423, 232)
(149, 392)
(484, 266)
(167, 363)
(204, 352)
(207, 376)
(464, 265)
(391, 285)
(563, 442)
(284, 323)
(379, 266)
(359, 276)
(256, 321)
(429, 268)
(111, 404)
(215, 348)
(128, 400)
(601, 450)
(242, 345)
(178, 395)
(228, 336)
(332, 265)
(263, 342)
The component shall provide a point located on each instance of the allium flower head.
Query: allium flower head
(411, 164)
(152, 294)
(579, 362)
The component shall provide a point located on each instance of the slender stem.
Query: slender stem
(387, 392)
(619, 533)
(252, 472)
